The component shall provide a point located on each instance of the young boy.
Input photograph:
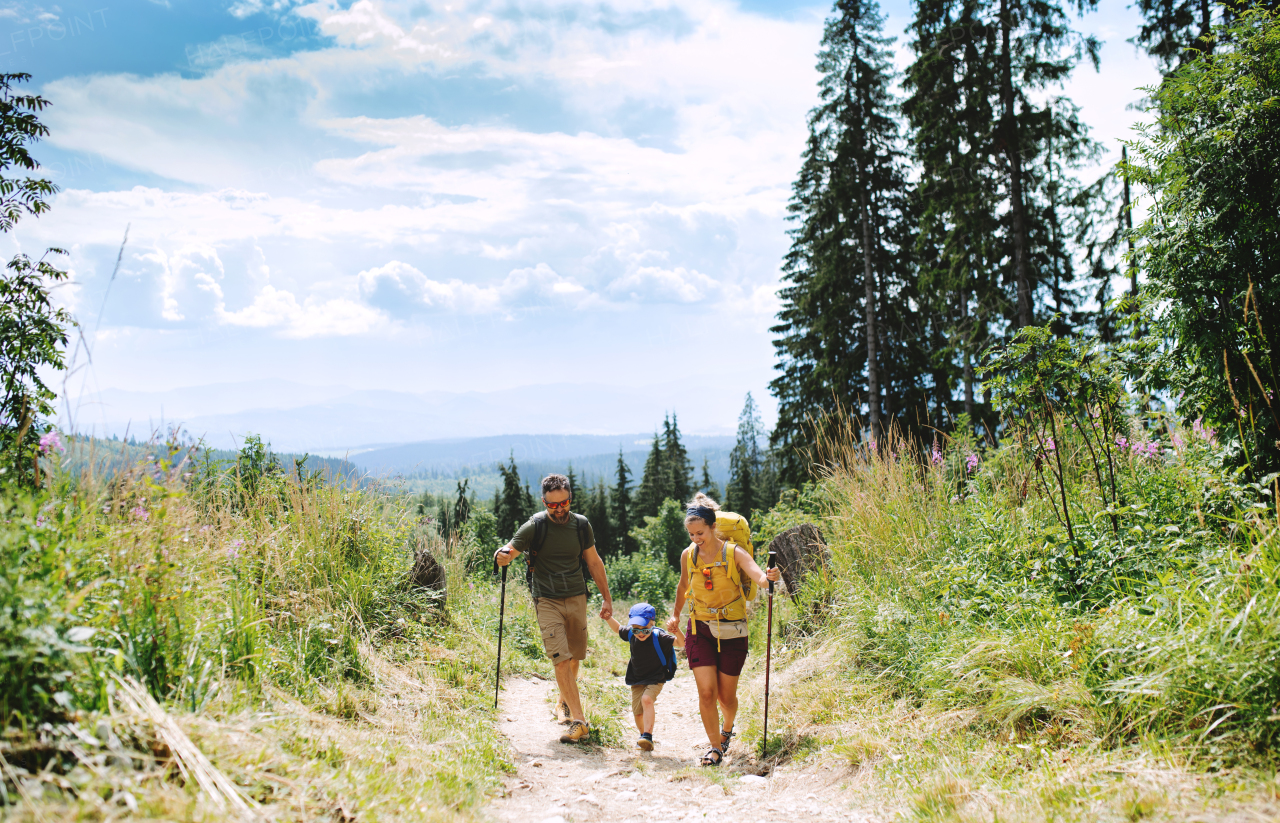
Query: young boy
(646, 671)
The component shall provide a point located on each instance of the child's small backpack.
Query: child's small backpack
(668, 661)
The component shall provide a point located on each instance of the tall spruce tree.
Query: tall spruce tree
(706, 485)
(578, 502)
(595, 505)
(650, 493)
(620, 507)
(677, 469)
(513, 504)
(1000, 202)
(746, 463)
(850, 257)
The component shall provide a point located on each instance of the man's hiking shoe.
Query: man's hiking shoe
(712, 757)
(645, 742)
(563, 717)
(577, 733)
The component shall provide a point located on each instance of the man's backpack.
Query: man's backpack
(541, 526)
(668, 661)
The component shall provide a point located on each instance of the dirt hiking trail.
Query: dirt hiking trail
(562, 783)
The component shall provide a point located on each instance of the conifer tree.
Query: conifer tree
(650, 493)
(620, 507)
(746, 462)
(707, 485)
(677, 469)
(579, 502)
(461, 505)
(513, 504)
(596, 507)
(849, 269)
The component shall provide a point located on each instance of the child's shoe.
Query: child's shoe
(645, 742)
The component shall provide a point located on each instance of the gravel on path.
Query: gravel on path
(564, 783)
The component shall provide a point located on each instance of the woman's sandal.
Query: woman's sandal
(708, 760)
(726, 737)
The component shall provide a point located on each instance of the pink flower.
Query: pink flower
(233, 549)
(1049, 445)
(971, 463)
(1177, 441)
(139, 513)
(1205, 433)
(935, 456)
(1122, 442)
(872, 444)
(51, 442)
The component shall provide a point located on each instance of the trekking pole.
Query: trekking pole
(768, 654)
(502, 612)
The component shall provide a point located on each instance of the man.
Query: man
(560, 592)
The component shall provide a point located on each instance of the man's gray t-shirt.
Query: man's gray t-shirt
(556, 573)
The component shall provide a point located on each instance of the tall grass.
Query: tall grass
(229, 591)
(954, 583)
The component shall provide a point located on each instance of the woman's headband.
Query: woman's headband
(708, 515)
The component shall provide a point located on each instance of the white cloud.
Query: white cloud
(401, 289)
(274, 308)
(651, 284)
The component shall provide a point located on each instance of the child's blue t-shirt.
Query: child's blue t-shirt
(645, 668)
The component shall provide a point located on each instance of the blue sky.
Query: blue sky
(452, 196)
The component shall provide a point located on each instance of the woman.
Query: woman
(714, 575)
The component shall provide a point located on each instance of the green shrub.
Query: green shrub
(642, 576)
(663, 535)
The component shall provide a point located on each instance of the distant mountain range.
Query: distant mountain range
(338, 421)
(436, 466)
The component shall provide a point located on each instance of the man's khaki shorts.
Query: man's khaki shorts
(563, 622)
(637, 692)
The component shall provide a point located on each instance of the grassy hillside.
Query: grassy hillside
(966, 660)
(959, 659)
(275, 622)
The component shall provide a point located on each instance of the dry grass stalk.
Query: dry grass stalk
(135, 699)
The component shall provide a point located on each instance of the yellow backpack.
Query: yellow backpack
(735, 529)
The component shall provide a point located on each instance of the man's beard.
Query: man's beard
(560, 516)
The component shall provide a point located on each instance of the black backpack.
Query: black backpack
(540, 528)
(668, 664)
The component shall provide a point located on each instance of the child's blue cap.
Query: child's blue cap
(642, 614)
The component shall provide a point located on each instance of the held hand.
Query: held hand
(672, 624)
(502, 557)
(774, 574)
(606, 611)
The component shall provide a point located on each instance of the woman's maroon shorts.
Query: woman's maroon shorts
(701, 649)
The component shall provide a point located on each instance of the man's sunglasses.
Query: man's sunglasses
(563, 504)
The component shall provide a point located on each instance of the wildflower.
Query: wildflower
(872, 444)
(1122, 442)
(139, 513)
(971, 463)
(233, 549)
(1205, 433)
(51, 442)
(1177, 441)
(41, 522)
(935, 456)
(1049, 445)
